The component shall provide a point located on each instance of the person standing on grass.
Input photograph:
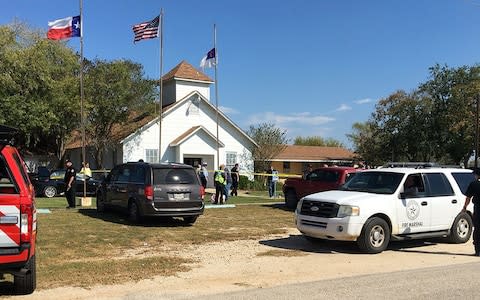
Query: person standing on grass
(86, 169)
(235, 180)
(203, 173)
(219, 179)
(271, 182)
(228, 183)
(69, 180)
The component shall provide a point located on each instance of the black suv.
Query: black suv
(145, 189)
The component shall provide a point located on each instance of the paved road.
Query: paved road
(450, 282)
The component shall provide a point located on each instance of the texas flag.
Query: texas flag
(209, 60)
(64, 28)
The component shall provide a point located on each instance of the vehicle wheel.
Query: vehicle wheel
(291, 199)
(134, 213)
(26, 284)
(100, 203)
(190, 220)
(49, 191)
(461, 229)
(375, 236)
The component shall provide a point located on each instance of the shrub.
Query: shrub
(255, 185)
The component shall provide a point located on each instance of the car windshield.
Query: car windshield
(374, 182)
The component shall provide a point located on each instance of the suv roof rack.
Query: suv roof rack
(416, 165)
(6, 134)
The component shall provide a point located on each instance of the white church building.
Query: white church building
(188, 129)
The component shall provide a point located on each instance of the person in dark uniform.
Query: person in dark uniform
(69, 180)
(473, 191)
(235, 179)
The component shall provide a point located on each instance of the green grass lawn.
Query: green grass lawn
(56, 202)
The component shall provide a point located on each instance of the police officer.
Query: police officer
(473, 191)
(69, 180)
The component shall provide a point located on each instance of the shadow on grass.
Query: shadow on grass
(301, 243)
(119, 217)
(280, 206)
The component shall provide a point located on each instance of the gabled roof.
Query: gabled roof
(119, 131)
(184, 70)
(192, 131)
(180, 102)
(313, 153)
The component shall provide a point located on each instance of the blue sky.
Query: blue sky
(310, 67)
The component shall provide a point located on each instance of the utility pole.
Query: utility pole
(476, 130)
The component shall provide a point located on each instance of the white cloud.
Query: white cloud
(304, 118)
(343, 107)
(364, 101)
(228, 110)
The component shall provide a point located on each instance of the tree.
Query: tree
(114, 91)
(452, 92)
(317, 141)
(396, 131)
(38, 89)
(433, 123)
(367, 144)
(270, 140)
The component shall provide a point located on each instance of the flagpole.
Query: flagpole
(81, 100)
(161, 90)
(216, 87)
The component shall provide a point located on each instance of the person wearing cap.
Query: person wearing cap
(473, 191)
(69, 180)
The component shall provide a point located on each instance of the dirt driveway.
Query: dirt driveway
(274, 260)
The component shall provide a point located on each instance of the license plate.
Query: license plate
(179, 196)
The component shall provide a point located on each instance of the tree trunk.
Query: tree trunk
(99, 157)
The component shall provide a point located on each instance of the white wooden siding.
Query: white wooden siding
(177, 122)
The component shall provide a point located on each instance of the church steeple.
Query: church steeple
(182, 80)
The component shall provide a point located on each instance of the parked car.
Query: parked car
(18, 217)
(53, 185)
(319, 180)
(380, 205)
(144, 189)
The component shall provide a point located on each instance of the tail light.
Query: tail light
(26, 222)
(149, 192)
(202, 192)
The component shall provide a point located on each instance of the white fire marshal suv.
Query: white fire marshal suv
(390, 203)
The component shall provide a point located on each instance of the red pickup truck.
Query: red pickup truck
(18, 217)
(319, 180)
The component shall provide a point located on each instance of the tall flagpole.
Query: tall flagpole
(81, 98)
(216, 87)
(161, 90)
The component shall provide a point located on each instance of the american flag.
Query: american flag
(146, 30)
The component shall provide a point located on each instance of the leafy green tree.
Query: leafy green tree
(271, 141)
(434, 123)
(452, 92)
(367, 143)
(114, 91)
(317, 141)
(38, 89)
